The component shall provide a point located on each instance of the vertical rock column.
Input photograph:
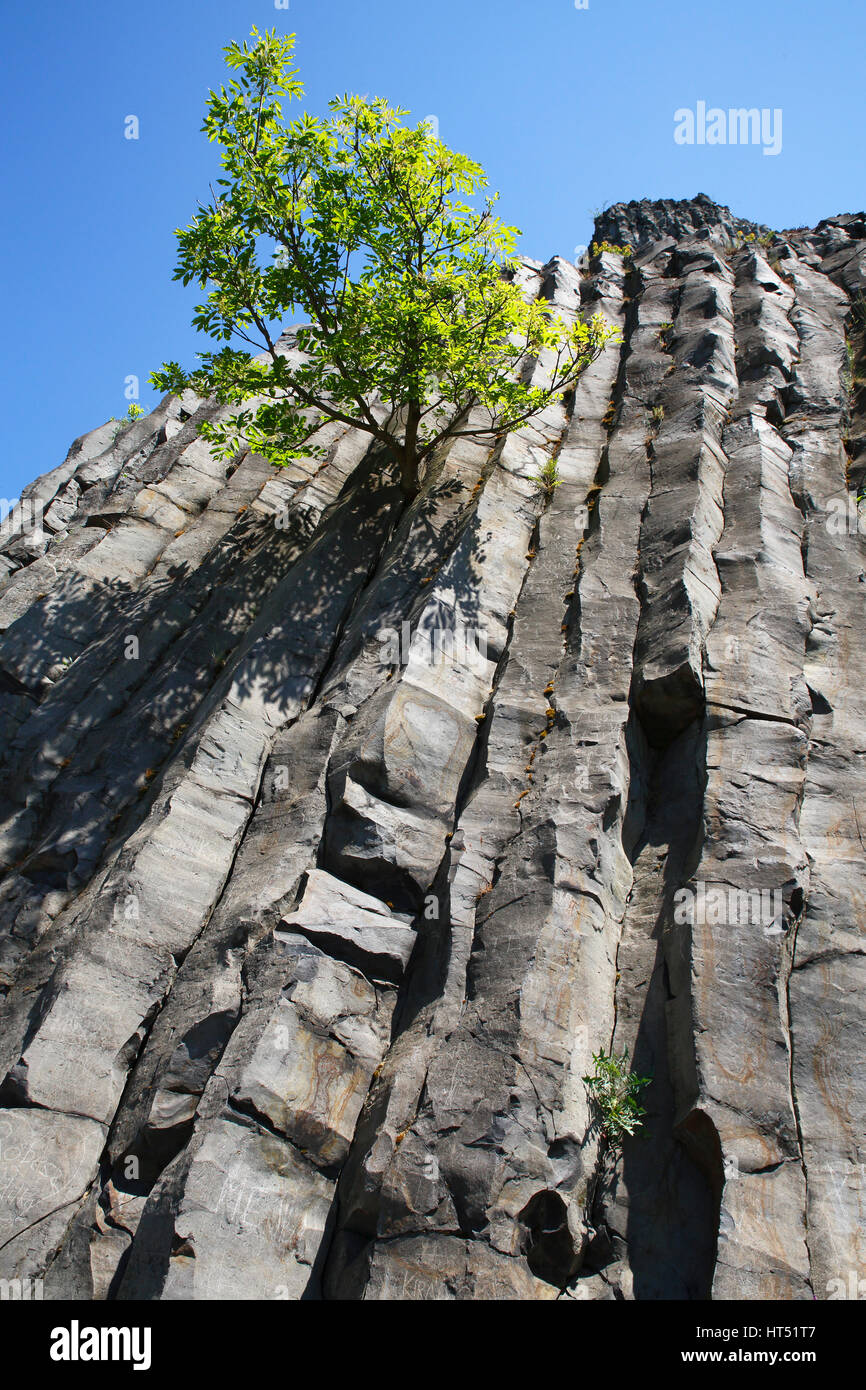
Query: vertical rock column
(751, 874)
(827, 985)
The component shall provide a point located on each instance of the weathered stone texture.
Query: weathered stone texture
(338, 834)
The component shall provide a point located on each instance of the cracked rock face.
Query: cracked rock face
(338, 834)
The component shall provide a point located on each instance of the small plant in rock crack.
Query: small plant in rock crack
(615, 1090)
(548, 477)
(132, 414)
(753, 239)
(658, 414)
(598, 246)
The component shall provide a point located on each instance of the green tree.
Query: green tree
(361, 223)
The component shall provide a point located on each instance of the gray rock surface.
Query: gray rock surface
(337, 835)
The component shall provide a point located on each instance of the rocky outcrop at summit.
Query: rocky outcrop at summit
(337, 833)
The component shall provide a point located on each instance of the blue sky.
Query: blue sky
(567, 109)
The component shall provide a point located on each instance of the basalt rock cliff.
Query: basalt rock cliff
(339, 833)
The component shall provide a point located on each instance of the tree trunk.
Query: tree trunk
(409, 475)
(409, 454)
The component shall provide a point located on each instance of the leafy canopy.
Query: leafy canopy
(363, 225)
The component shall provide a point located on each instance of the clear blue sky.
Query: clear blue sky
(567, 110)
